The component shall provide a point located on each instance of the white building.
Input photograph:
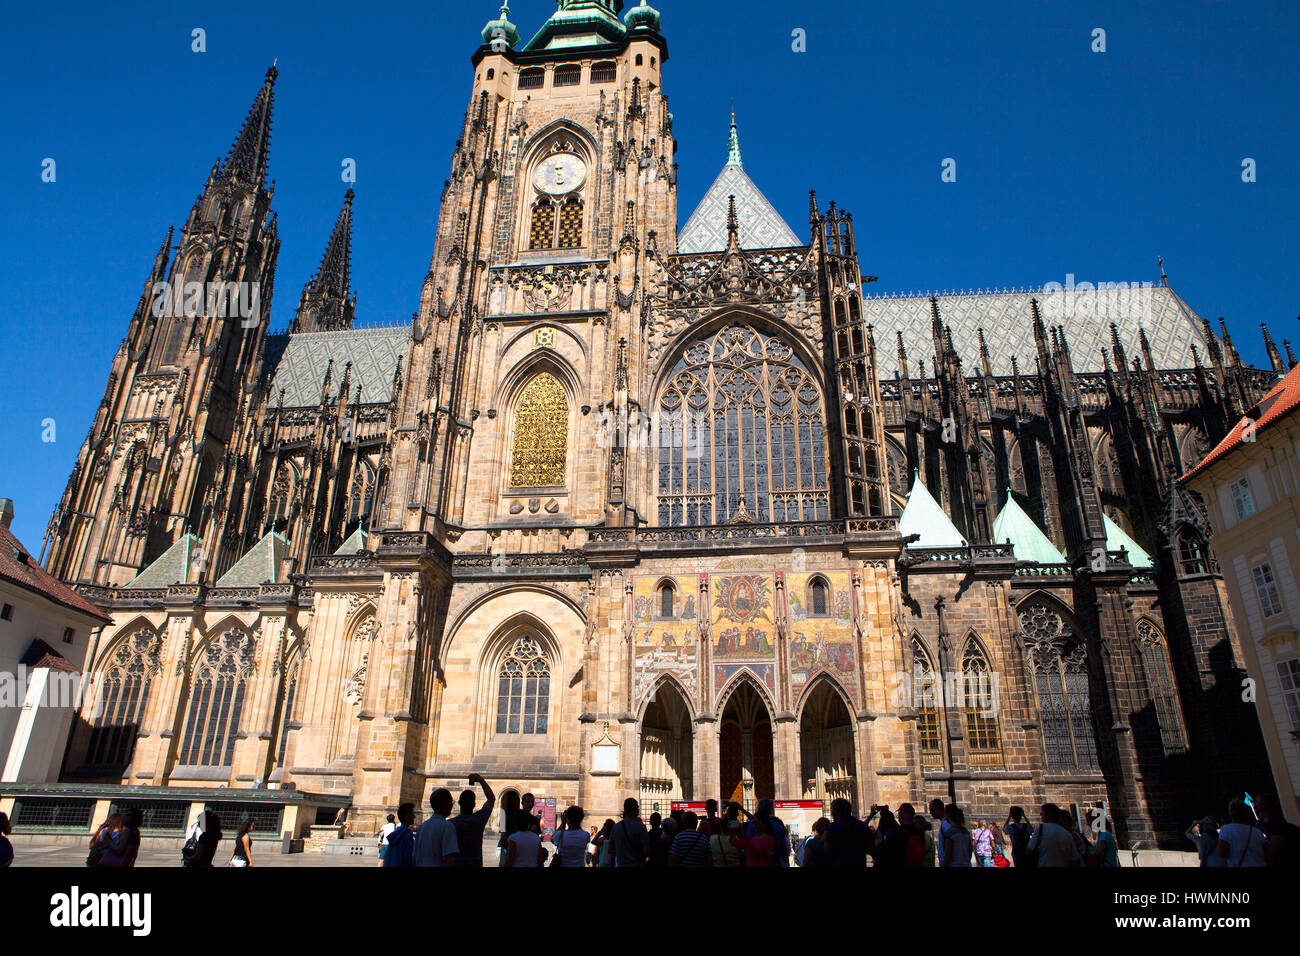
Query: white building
(45, 630)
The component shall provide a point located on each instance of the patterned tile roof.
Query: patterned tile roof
(761, 226)
(298, 362)
(171, 567)
(18, 567)
(1006, 318)
(259, 565)
(1281, 399)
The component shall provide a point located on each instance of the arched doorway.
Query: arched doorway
(745, 747)
(826, 746)
(667, 750)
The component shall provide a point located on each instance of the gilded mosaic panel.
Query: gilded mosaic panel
(665, 632)
(821, 630)
(744, 629)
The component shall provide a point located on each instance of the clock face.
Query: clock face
(560, 173)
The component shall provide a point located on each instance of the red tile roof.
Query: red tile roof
(20, 568)
(41, 654)
(1280, 400)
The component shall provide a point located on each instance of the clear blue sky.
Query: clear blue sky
(1068, 161)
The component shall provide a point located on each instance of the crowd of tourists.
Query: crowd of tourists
(1254, 835)
(732, 836)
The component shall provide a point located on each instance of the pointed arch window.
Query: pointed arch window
(742, 434)
(123, 695)
(1059, 665)
(666, 601)
(925, 698)
(817, 593)
(980, 707)
(523, 689)
(1160, 686)
(291, 673)
(221, 678)
(541, 435)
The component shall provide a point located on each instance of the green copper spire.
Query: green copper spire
(643, 15)
(733, 144)
(502, 29)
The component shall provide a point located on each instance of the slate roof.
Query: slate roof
(1028, 543)
(18, 567)
(761, 226)
(260, 564)
(170, 567)
(1006, 318)
(922, 515)
(1280, 400)
(297, 364)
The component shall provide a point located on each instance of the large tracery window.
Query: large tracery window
(1059, 664)
(523, 689)
(123, 694)
(980, 705)
(221, 678)
(742, 434)
(925, 695)
(541, 436)
(1160, 686)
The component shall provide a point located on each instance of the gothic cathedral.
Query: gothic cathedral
(629, 508)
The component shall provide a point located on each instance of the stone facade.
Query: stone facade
(560, 580)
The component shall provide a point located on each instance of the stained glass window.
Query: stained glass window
(979, 703)
(523, 689)
(1060, 670)
(925, 698)
(1160, 686)
(217, 700)
(742, 434)
(541, 434)
(124, 692)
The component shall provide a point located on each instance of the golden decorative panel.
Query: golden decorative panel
(541, 434)
(570, 234)
(542, 229)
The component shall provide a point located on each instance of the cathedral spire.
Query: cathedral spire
(325, 303)
(249, 155)
(733, 143)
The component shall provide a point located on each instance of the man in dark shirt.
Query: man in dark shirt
(401, 842)
(469, 825)
(848, 838)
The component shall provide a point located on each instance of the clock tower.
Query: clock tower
(561, 183)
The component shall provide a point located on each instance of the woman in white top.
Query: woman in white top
(1241, 843)
(571, 839)
(524, 848)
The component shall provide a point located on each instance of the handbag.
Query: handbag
(555, 839)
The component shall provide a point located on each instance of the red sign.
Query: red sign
(684, 806)
(546, 807)
(798, 804)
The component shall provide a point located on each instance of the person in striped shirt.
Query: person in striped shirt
(690, 847)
